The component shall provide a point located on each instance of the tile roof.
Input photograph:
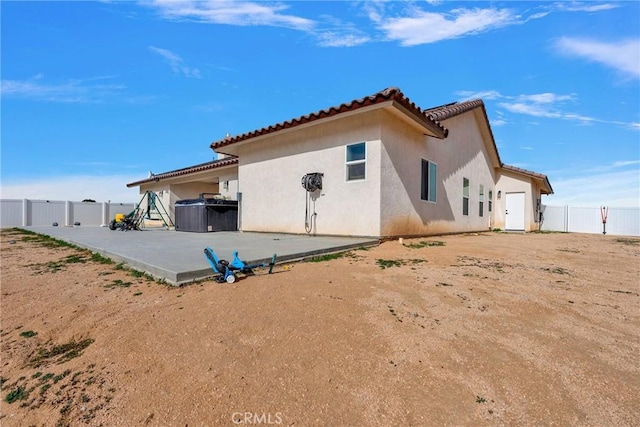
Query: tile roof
(188, 170)
(451, 110)
(448, 111)
(532, 174)
(433, 116)
(389, 94)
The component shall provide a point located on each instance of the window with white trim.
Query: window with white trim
(490, 200)
(481, 201)
(465, 196)
(356, 161)
(429, 183)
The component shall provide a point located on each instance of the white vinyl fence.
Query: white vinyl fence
(619, 221)
(24, 212)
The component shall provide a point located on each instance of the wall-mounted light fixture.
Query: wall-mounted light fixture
(499, 194)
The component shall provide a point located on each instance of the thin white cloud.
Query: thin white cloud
(327, 30)
(538, 15)
(417, 26)
(331, 31)
(615, 189)
(624, 163)
(429, 27)
(176, 63)
(623, 56)
(545, 98)
(544, 110)
(230, 12)
(575, 6)
(69, 91)
(614, 167)
(547, 105)
(529, 109)
(337, 39)
(487, 94)
(75, 188)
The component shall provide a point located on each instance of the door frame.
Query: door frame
(516, 219)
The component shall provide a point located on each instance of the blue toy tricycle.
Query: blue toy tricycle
(226, 271)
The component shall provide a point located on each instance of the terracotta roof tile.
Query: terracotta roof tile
(389, 94)
(450, 110)
(188, 170)
(453, 109)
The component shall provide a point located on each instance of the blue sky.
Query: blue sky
(97, 94)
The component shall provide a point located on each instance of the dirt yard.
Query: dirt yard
(477, 329)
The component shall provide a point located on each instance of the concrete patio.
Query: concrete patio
(178, 257)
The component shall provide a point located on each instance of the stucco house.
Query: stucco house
(217, 176)
(384, 167)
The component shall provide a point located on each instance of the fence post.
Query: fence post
(566, 218)
(68, 213)
(105, 214)
(25, 212)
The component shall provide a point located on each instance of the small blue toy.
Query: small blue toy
(226, 271)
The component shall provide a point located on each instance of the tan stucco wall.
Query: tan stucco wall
(270, 173)
(387, 202)
(462, 154)
(509, 182)
(228, 184)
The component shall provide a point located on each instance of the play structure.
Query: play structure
(226, 271)
(150, 207)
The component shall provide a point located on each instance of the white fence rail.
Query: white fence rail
(24, 212)
(620, 221)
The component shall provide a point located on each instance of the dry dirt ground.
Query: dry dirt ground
(476, 329)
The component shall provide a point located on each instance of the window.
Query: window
(490, 200)
(151, 200)
(465, 196)
(356, 161)
(481, 201)
(151, 203)
(429, 181)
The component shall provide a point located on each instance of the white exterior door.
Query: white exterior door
(514, 214)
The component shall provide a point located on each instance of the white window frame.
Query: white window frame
(490, 207)
(465, 196)
(481, 201)
(430, 183)
(349, 163)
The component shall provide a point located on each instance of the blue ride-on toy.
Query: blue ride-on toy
(225, 271)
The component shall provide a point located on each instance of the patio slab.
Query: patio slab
(178, 257)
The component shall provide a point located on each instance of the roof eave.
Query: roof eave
(205, 167)
(548, 185)
(232, 147)
(541, 179)
(389, 96)
(426, 125)
(429, 126)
